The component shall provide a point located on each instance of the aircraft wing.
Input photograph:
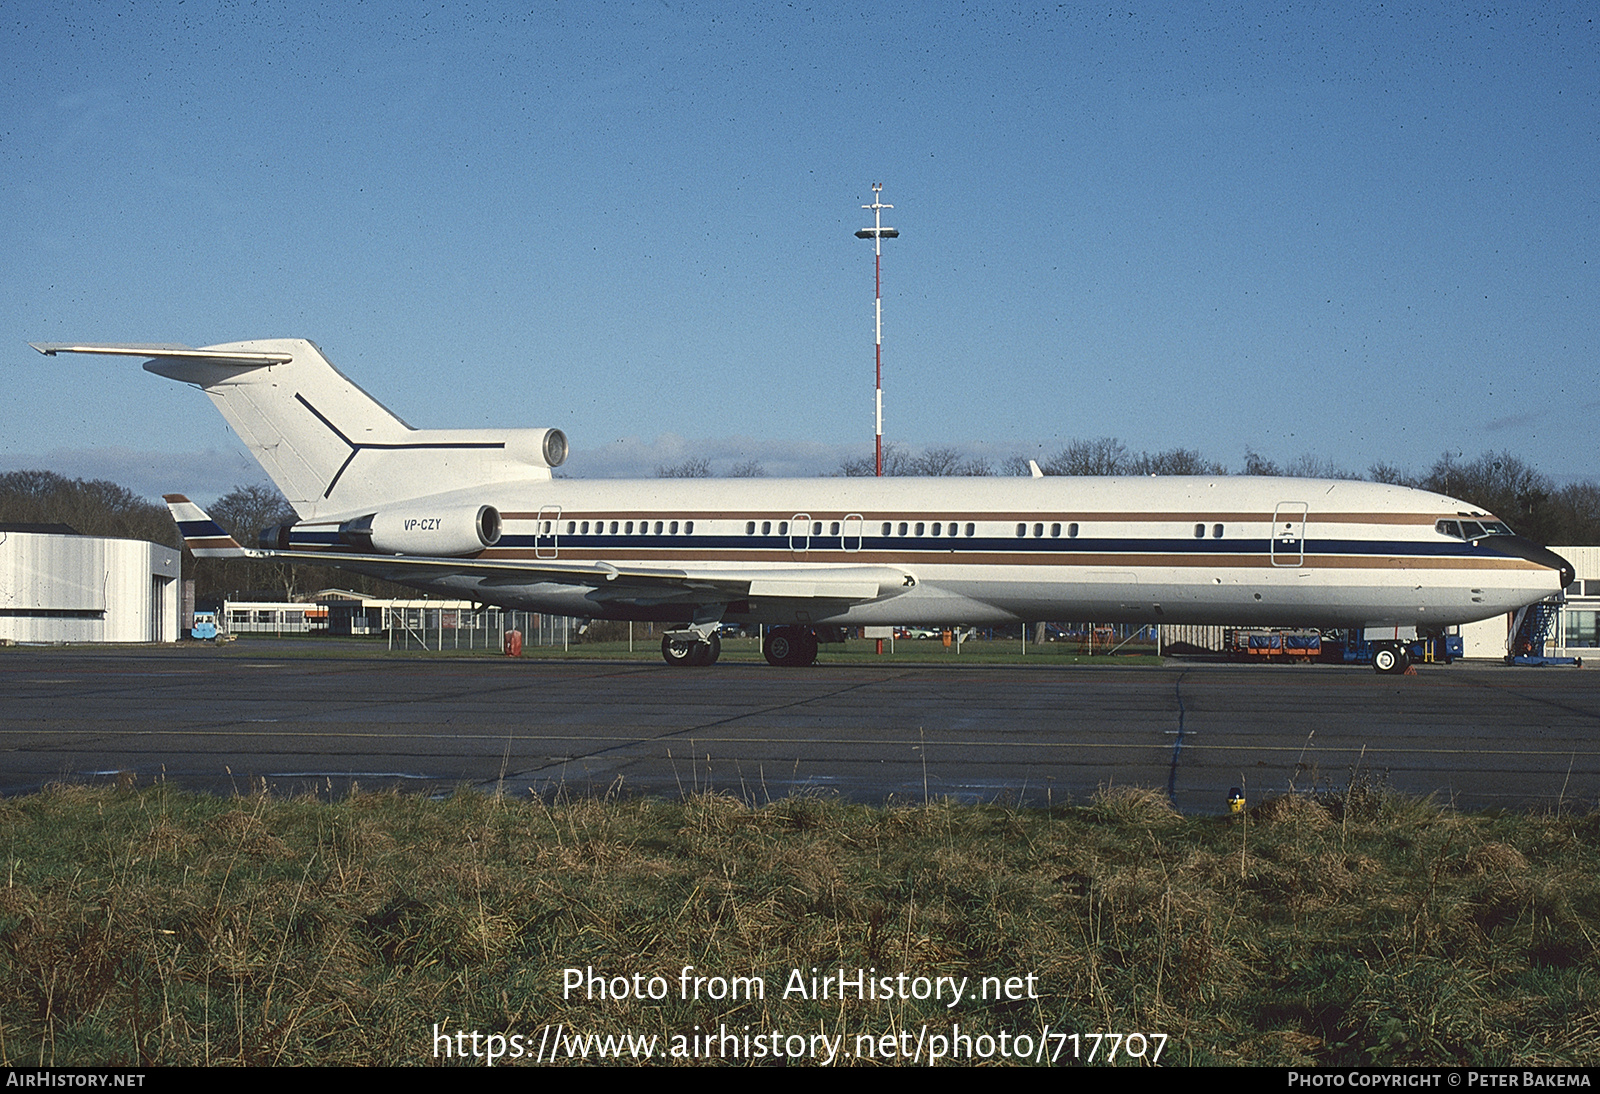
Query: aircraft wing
(622, 584)
(626, 584)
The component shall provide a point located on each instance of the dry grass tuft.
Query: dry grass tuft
(1293, 809)
(150, 926)
(1134, 805)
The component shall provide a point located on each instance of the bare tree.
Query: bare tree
(895, 462)
(750, 469)
(946, 460)
(1174, 461)
(1307, 466)
(93, 507)
(246, 510)
(1389, 473)
(937, 462)
(1503, 485)
(1577, 511)
(1101, 456)
(1257, 464)
(695, 467)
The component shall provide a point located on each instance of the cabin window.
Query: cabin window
(672, 529)
(1038, 531)
(1216, 531)
(833, 529)
(1072, 531)
(627, 529)
(688, 528)
(904, 527)
(750, 528)
(887, 528)
(584, 528)
(970, 529)
(783, 527)
(1022, 529)
(572, 526)
(766, 527)
(816, 528)
(1199, 531)
(954, 531)
(1055, 531)
(613, 527)
(920, 527)
(658, 527)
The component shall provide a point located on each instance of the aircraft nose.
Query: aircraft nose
(1522, 547)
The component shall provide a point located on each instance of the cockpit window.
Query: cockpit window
(1470, 529)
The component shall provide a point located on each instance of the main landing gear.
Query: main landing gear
(692, 647)
(790, 647)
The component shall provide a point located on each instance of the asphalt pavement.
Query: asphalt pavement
(308, 719)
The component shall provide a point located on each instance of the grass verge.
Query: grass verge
(156, 926)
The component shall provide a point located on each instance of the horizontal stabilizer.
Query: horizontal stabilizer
(204, 537)
(135, 349)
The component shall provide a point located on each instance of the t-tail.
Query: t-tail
(331, 448)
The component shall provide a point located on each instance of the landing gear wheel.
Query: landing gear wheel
(779, 646)
(680, 651)
(677, 652)
(790, 647)
(707, 652)
(1390, 660)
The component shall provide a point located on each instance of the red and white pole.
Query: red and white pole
(877, 233)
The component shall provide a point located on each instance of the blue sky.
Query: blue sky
(1359, 233)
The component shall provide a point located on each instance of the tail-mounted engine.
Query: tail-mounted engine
(424, 530)
(414, 529)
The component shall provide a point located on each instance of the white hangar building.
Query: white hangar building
(58, 586)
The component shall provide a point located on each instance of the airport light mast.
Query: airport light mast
(878, 233)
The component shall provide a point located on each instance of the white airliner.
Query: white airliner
(476, 514)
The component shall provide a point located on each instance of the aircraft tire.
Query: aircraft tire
(678, 653)
(1390, 660)
(808, 647)
(778, 647)
(790, 647)
(698, 654)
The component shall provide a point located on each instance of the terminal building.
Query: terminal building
(59, 586)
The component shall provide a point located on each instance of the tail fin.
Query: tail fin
(330, 447)
(204, 537)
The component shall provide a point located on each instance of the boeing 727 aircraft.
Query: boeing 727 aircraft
(477, 514)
